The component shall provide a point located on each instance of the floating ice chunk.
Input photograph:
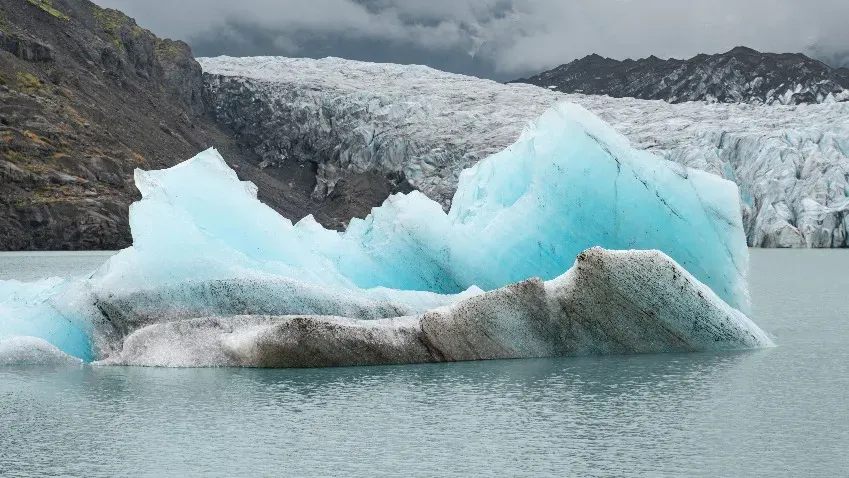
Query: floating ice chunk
(608, 303)
(32, 351)
(44, 309)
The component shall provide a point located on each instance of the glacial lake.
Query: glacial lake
(775, 412)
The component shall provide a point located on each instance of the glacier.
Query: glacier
(346, 117)
(208, 258)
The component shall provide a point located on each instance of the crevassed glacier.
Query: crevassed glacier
(350, 117)
(205, 246)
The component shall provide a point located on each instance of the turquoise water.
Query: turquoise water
(776, 412)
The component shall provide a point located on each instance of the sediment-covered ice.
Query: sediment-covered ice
(205, 246)
(610, 302)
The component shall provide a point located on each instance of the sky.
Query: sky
(498, 39)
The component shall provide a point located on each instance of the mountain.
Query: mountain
(741, 75)
(422, 127)
(87, 96)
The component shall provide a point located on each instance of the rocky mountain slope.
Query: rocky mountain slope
(86, 96)
(416, 125)
(741, 75)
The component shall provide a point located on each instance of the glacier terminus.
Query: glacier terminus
(346, 117)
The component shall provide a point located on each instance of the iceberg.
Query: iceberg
(33, 351)
(209, 257)
(41, 310)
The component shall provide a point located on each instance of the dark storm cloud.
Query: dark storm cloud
(499, 39)
(242, 38)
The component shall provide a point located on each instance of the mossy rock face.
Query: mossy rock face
(14, 157)
(47, 6)
(169, 49)
(28, 82)
(112, 22)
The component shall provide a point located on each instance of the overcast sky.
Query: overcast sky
(500, 39)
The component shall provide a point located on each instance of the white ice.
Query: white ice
(33, 351)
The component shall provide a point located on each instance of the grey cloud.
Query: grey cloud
(500, 39)
(238, 38)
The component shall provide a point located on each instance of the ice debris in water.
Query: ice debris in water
(33, 351)
(36, 310)
(204, 245)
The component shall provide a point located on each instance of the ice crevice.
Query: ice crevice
(216, 278)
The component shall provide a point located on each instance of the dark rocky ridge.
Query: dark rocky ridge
(86, 96)
(741, 75)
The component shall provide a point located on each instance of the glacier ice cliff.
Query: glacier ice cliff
(208, 257)
(346, 117)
